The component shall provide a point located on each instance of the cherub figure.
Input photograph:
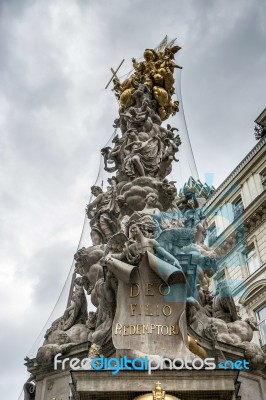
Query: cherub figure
(134, 251)
(150, 205)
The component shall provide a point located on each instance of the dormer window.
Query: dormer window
(238, 207)
(212, 234)
(263, 178)
(253, 262)
(261, 318)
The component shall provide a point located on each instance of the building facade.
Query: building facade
(236, 215)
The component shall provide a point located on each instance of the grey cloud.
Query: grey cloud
(48, 262)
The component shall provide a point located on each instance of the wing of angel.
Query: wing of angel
(116, 243)
(175, 49)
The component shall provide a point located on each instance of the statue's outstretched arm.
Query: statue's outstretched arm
(167, 255)
(94, 202)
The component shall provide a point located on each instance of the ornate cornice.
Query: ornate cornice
(253, 217)
(236, 171)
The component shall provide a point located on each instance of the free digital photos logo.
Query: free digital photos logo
(147, 363)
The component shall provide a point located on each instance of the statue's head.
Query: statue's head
(105, 150)
(191, 203)
(78, 282)
(151, 199)
(121, 201)
(116, 139)
(96, 190)
(150, 55)
(158, 78)
(134, 230)
(91, 318)
(146, 101)
(208, 295)
(169, 188)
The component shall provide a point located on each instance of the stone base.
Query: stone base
(126, 385)
(252, 386)
(53, 386)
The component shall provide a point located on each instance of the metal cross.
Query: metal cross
(114, 74)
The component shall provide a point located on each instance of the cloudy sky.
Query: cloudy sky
(55, 116)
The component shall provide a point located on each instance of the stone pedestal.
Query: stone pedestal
(252, 386)
(126, 385)
(185, 385)
(53, 387)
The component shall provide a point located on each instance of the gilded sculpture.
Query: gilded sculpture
(157, 394)
(155, 75)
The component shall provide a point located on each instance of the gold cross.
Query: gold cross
(114, 74)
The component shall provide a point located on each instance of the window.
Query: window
(263, 179)
(252, 259)
(238, 207)
(212, 234)
(220, 274)
(261, 318)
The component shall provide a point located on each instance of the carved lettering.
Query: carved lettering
(172, 330)
(132, 329)
(132, 309)
(118, 329)
(146, 329)
(164, 328)
(167, 310)
(134, 290)
(125, 332)
(147, 310)
(138, 327)
(148, 289)
(164, 290)
(150, 310)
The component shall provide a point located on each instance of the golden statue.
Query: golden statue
(157, 394)
(156, 72)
